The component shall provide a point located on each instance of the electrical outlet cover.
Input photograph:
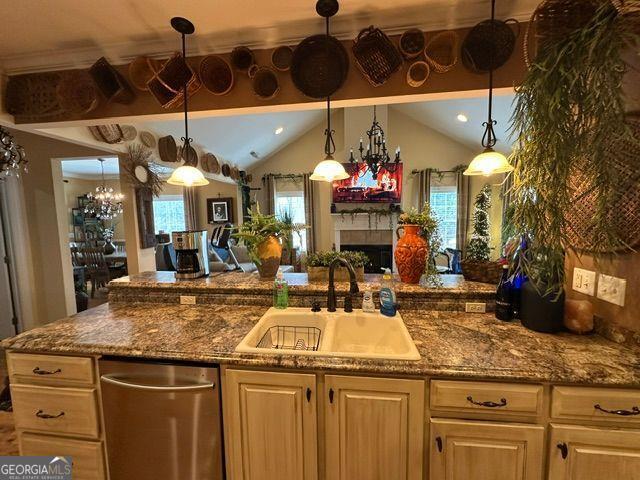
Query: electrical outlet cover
(187, 300)
(475, 307)
(584, 281)
(612, 289)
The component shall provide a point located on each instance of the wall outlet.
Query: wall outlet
(584, 281)
(475, 307)
(187, 300)
(612, 289)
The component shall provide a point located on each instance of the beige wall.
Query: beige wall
(51, 263)
(76, 187)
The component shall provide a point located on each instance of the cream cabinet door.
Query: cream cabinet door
(374, 428)
(271, 426)
(580, 453)
(466, 450)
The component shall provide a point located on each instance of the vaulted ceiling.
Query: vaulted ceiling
(48, 34)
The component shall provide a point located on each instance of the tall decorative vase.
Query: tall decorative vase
(109, 247)
(269, 253)
(411, 254)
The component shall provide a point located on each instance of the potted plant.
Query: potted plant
(415, 248)
(262, 235)
(476, 265)
(318, 265)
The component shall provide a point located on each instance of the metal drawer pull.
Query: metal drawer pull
(439, 443)
(331, 395)
(41, 414)
(308, 394)
(37, 371)
(624, 413)
(157, 388)
(564, 450)
(503, 403)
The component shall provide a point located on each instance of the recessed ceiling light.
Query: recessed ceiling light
(279, 130)
(462, 118)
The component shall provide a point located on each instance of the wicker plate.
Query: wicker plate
(226, 170)
(129, 133)
(216, 74)
(624, 211)
(148, 139)
(210, 163)
(319, 66)
(107, 133)
(376, 57)
(167, 149)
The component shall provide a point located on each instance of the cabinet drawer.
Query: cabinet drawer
(71, 411)
(599, 404)
(87, 457)
(27, 368)
(500, 398)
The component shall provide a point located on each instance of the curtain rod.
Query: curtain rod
(283, 175)
(414, 171)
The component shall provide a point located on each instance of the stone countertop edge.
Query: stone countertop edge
(451, 345)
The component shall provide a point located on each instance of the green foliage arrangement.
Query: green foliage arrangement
(324, 259)
(478, 248)
(258, 228)
(567, 111)
(428, 222)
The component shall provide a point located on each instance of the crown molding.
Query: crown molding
(343, 28)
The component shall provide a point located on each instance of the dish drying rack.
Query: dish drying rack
(291, 338)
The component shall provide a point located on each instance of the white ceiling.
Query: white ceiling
(90, 168)
(70, 33)
(231, 139)
(441, 116)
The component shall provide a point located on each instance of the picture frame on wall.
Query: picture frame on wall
(220, 210)
(77, 215)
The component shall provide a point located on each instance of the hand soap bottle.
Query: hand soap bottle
(280, 292)
(367, 301)
(387, 295)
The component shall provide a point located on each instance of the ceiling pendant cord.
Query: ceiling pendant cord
(185, 139)
(489, 138)
(329, 146)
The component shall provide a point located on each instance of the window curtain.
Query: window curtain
(190, 208)
(309, 211)
(424, 187)
(463, 183)
(269, 182)
(505, 193)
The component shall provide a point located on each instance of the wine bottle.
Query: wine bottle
(504, 297)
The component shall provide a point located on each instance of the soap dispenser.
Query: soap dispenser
(387, 295)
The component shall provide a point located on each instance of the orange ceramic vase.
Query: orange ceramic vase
(411, 254)
(269, 253)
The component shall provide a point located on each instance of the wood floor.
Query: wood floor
(8, 439)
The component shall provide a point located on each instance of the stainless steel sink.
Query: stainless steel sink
(298, 331)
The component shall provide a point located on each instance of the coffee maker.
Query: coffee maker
(192, 256)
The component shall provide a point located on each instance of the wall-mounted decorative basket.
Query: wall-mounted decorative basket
(77, 94)
(216, 74)
(107, 133)
(167, 86)
(412, 43)
(376, 56)
(33, 98)
(110, 82)
(489, 45)
(441, 51)
(281, 58)
(141, 70)
(242, 58)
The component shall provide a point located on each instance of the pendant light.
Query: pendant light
(328, 170)
(185, 175)
(105, 204)
(489, 161)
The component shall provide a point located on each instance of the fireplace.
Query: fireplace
(380, 256)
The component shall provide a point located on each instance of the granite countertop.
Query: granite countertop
(238, 282)
(451, 344)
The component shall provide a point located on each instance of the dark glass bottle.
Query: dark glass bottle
(504, 297)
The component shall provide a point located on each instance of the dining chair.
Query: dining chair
(97, 268)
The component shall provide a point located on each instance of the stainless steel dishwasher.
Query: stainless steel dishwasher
(162, 421)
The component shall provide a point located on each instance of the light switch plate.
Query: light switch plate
(584, 281)
(475, 307)
(187, 300)
(612, 289)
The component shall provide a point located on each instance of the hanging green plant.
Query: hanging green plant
(568, 110)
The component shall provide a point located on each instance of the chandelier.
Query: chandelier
(12, 156)
(376, 156)
(105, 204)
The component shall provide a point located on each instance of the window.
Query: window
(168, 213)
(292, 203)
(444, 203)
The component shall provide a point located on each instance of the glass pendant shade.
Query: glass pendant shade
(329, 170)
(488, 163)
(186, 176)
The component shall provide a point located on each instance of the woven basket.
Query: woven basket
(418, 73)
(441, 51)
(110, 82)
(281, 58)
(107, 133)
(264, 82)
(167, 85)
(489, 45)
(411, 43)
(216, 74)
(485, 272)
(624, 204)
(376, 56)
(77, 93)
(242, 58)
(141, 70)
(33, 98)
